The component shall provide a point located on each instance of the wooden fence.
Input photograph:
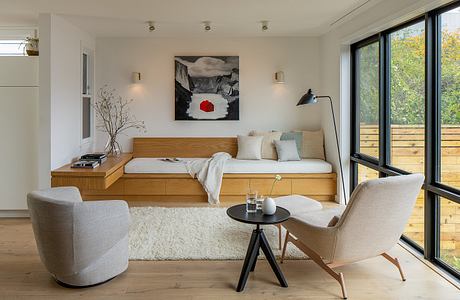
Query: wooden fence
(407, 153)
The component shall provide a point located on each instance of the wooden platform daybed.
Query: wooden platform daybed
(112, 182)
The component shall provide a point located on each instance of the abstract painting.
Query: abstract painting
(207, 88)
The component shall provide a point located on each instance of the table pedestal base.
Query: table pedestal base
(258, 240)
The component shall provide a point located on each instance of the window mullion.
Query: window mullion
(354, 130)
(384, 101)
(431, 148)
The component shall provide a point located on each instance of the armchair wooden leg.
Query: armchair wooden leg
(319, 261)
(395, 262)
(342, 285)
(286, 240)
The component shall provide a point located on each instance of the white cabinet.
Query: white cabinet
(18, 71)
(18, 130)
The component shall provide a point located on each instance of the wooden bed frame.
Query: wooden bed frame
(181, 187)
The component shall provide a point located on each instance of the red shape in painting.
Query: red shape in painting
(207, 106)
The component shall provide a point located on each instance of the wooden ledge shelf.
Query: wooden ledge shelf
(99, 178)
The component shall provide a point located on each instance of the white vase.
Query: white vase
(269, 206)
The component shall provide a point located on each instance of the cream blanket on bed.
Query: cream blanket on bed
(209, 173)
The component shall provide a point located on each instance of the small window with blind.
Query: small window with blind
(86, 88)
(12, 48)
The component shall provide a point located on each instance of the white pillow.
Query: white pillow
(249, 147)
(287, 150)
(268, 146)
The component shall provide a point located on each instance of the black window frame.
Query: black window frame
(433, 188)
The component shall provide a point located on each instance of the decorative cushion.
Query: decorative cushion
(296, 136)
(268, 148)
(287, 150)
(249, 147)
(313, 144)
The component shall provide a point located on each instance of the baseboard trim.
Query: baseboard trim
(22, 213)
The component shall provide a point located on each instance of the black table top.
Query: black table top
(238, 213)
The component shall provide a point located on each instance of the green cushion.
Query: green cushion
(297, 137)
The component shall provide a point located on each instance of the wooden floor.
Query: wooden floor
(22, 276)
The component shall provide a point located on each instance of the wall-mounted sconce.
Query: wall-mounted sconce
(136, 77)
(279, 77)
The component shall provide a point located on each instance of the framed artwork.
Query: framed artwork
(207, 88)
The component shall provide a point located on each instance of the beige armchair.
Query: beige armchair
(80, 243)
(369, 226)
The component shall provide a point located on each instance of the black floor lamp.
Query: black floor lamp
(310, 98)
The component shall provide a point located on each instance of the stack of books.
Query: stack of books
(99, 157)
(90, 160)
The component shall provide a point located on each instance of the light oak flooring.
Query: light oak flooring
(22, 276)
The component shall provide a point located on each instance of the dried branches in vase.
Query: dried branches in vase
(114, 118)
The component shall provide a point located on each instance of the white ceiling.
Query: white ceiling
(174, 18)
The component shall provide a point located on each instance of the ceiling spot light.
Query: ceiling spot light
(264, 25)
(207, 25)
(151, 26)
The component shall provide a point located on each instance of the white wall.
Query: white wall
(263, 104)
(60, 97)
(335, 69)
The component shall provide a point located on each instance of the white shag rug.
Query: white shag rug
(194, 233)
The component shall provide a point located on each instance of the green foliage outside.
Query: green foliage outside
(451, 259)
(408, 78)
(369, 83)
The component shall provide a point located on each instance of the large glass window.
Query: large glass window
(450, 233)
(417, 96)
(450, 98)
(367, 86)
(415, 227)
(365, 173)
(407, 97)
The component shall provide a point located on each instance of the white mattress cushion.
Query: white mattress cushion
(156, 165)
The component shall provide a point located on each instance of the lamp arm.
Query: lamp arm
(338, 147)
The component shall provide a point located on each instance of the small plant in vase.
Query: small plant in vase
(114, 118)
(31, 46)
(269, 205)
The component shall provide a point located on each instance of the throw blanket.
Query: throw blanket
(209, 173)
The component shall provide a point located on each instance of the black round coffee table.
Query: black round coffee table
(258, 240)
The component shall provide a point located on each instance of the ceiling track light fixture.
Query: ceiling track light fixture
(151, 26)
(264, 25)
(207, 25)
